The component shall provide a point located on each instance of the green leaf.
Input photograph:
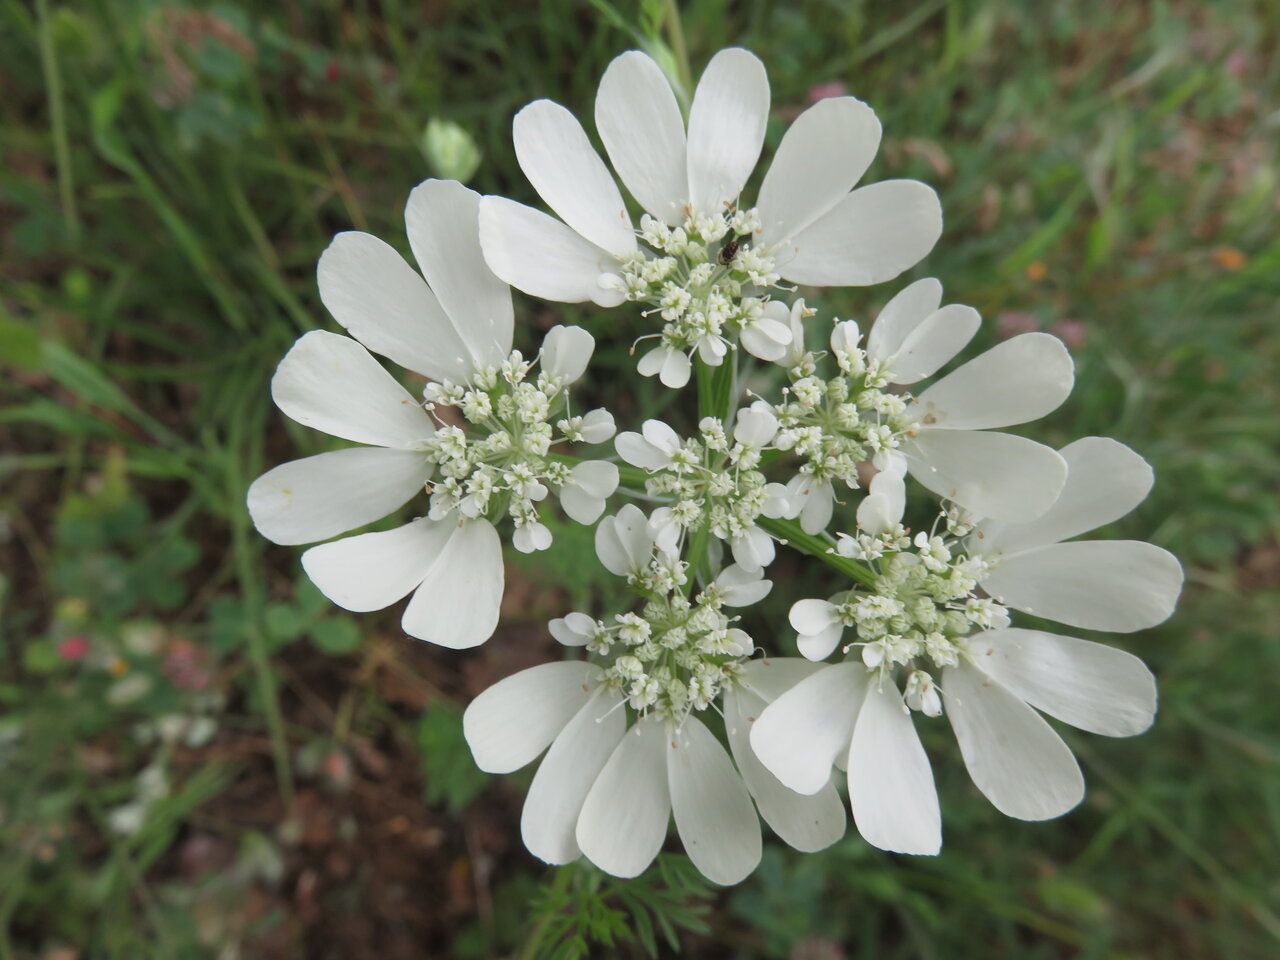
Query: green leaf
(336, 635)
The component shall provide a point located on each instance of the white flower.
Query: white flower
(1119, 585)
(669, 364)
(810, 226)
(952, 449)
(461, 322)
(457, 331)
(847, 712)
(881, 509)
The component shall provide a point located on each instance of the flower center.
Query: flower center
(696, 277)
(501, 466)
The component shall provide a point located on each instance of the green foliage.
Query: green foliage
(449, 774)
(584, 911)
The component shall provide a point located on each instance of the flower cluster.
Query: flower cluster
(662, 708)
(711, 482)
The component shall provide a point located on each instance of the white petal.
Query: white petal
(598, 426)
(374, 570)
(1105, 480)
(818, 507)
(991, 474)
(771, 677)
(812, 616)
(753, 550)
(799, 735)
(572, 629)
(742, 588)
(1088, 685)
(514, 720)
(661, 435)
(1012, 754)
(639, 452)
(675, 371)
(1120, 585)
(581, 505)
(566, 351)
(886, 500)
(820, 645)
(593, 480)
(387, 306)
(541, 256)
(822, 155)
(550, 816)
(457, 604)
(623, 542)
(726, 128)
(1016, 381)
(756, 425)
(556, 156)
(331, 383)
(906, 311)
(872, 235)
(766, 338)
(443, 221)
(942, 335)
(624, 818)
(808, 823)
(891, 790)
(319, 497)
(713, 810)
(639, 121)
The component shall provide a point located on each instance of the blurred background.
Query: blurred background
(201, 757)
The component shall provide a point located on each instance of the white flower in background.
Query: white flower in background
(943, 436)
(456, 331)
(1116, 585)
(702, 248)
(990, 680)
(711, 481)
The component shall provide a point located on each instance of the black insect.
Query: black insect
(727, 253)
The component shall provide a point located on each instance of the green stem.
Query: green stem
(675, 30)
(792, 535)
(58, 121)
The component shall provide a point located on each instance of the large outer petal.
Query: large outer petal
(577, 755)
(713, 811)
(639, 121)
(1088, 685)
(936, 340)
(891, 790)
(807, 823)
(800, 734)
(624, 818)
(331, 383)
(514, 720)
(872, 235)
(1013, 755)
(1016, 381)
(726, 128)
(569, 175)
(821, 156)
(319, 497)
(901, 315)
(374, 570)
(1105, 480)
(770, 677)
(538, 254)
(1120, 585)
(991, 474)
(457, 604)
(387, 306)
(443, 221)
(623, 543)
